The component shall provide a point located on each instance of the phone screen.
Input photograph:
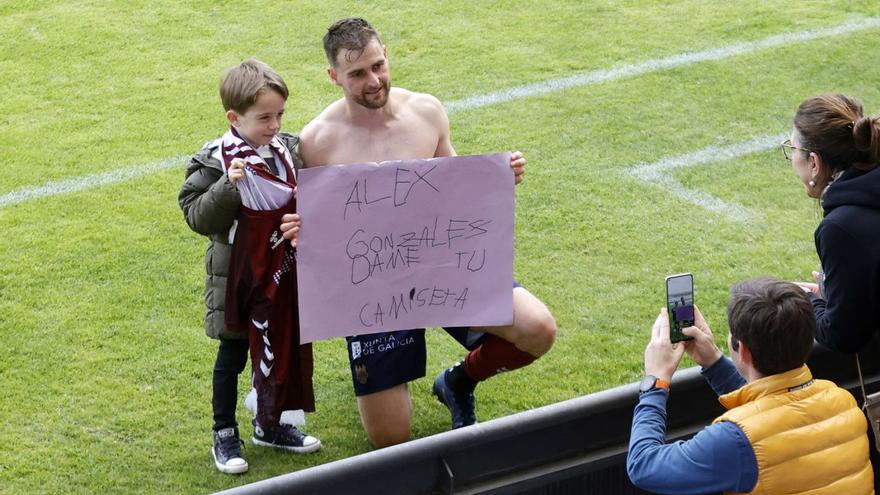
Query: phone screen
(680, 304)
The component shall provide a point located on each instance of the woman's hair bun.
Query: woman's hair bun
(866, 135)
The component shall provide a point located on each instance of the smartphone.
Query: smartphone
(680, 304)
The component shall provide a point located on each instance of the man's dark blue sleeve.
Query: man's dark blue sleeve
(718, 458)
(723, 376)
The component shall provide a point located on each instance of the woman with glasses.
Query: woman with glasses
(835, 151)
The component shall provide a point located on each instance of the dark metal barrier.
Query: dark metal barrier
(572, 447)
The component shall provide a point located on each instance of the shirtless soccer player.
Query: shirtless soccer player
(374, 122)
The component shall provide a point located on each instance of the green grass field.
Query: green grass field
(104, 366)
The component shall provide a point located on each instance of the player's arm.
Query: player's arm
(440, 120)
(518, 164)
(308, 144)
(290, 222)
(311, 154)
(319, 138)
(437, 118)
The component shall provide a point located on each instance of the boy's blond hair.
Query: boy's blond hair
(242, 84)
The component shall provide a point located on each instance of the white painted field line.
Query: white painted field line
(678, 60)
(77, 184)
(659, 173)
(502, 96)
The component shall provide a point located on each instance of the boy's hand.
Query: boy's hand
(816, 288)
(702, 349)
(809, 287)
(290, 224)
(661, 356)
(236, 171)
(518, 164)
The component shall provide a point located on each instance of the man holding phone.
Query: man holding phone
(784, 432)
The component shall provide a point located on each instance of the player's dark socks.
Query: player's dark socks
(458, 379)
(495, 355)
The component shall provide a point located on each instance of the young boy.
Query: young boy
(250, 288)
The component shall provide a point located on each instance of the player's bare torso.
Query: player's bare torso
(411, 125)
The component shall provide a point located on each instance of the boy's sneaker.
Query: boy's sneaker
(227, 452)
(285, 437)
(461, 405)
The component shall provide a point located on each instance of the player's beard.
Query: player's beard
(375, 100)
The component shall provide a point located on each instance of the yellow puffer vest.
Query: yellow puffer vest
(808, 435)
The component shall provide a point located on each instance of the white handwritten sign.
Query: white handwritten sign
(405, 244)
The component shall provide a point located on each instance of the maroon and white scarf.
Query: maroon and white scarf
(260, 189)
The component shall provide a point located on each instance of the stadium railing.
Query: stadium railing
(576, 446)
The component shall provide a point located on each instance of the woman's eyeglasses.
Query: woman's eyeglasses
(787, 149)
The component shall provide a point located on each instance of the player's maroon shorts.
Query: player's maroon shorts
(261, 297)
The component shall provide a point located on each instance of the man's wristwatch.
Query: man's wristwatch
(650, 382)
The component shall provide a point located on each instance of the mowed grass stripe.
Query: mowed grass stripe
(502, 96)
(77, 184)
(674, 61)
(655, 173)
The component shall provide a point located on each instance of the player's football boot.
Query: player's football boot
(460, 404)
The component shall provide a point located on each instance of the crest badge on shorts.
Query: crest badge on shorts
(361, 371)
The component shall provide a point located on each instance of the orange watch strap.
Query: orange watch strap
(662, 384)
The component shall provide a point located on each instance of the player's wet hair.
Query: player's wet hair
(353, 34)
